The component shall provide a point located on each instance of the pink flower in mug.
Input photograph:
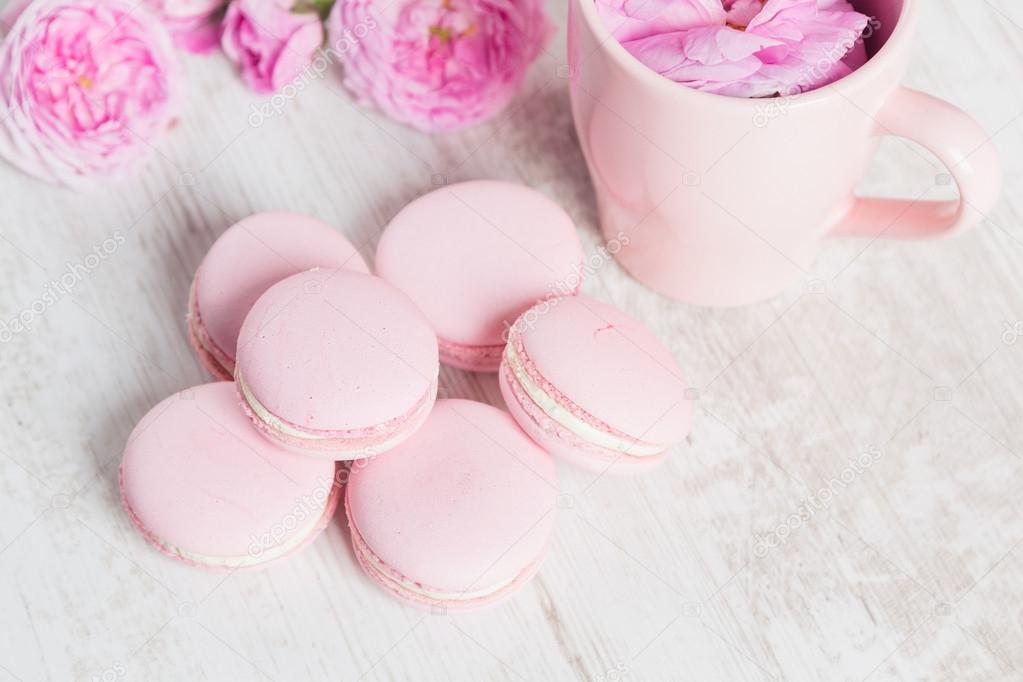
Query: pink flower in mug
(192, 23)
(86, 86)
(757, 48)
(437, 65)
(271, 41)
(715, 59)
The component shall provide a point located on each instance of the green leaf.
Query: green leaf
(319, 7)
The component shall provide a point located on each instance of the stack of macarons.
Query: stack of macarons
(329, 380)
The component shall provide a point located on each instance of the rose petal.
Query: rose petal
(634, 19)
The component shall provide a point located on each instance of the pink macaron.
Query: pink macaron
(204, 487)
(594, 386)
(245, 261)
(336, 364)
(474, 256)
(457, 517)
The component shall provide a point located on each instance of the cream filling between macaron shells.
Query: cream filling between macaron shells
(275, 423)
(266, 555)
(570, 421)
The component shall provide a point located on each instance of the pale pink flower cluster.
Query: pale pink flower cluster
(86, 88)
(741, 48)
(438, 65)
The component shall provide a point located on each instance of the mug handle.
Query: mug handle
(960, 143)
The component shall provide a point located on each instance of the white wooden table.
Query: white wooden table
(910, 568)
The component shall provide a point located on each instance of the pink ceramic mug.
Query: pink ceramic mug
(726, 201)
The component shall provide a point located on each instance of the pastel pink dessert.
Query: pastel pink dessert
(245, 261)
(474, 256)
(594, 386)
(457, 517)
(337, 364)
(205, 488)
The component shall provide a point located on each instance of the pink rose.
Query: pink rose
(437, 65)
(192, 23)
(758, 48)
(86, 87)
(270, 41)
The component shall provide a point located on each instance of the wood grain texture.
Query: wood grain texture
(911, 570)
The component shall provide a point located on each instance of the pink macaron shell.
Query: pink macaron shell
(390, 583)
(470, 358)
(561, 442)
(606, 367)
(204, 487)
(342, 356)
(465, 505)
(245, 261)
(475, 255)
(218, 364)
